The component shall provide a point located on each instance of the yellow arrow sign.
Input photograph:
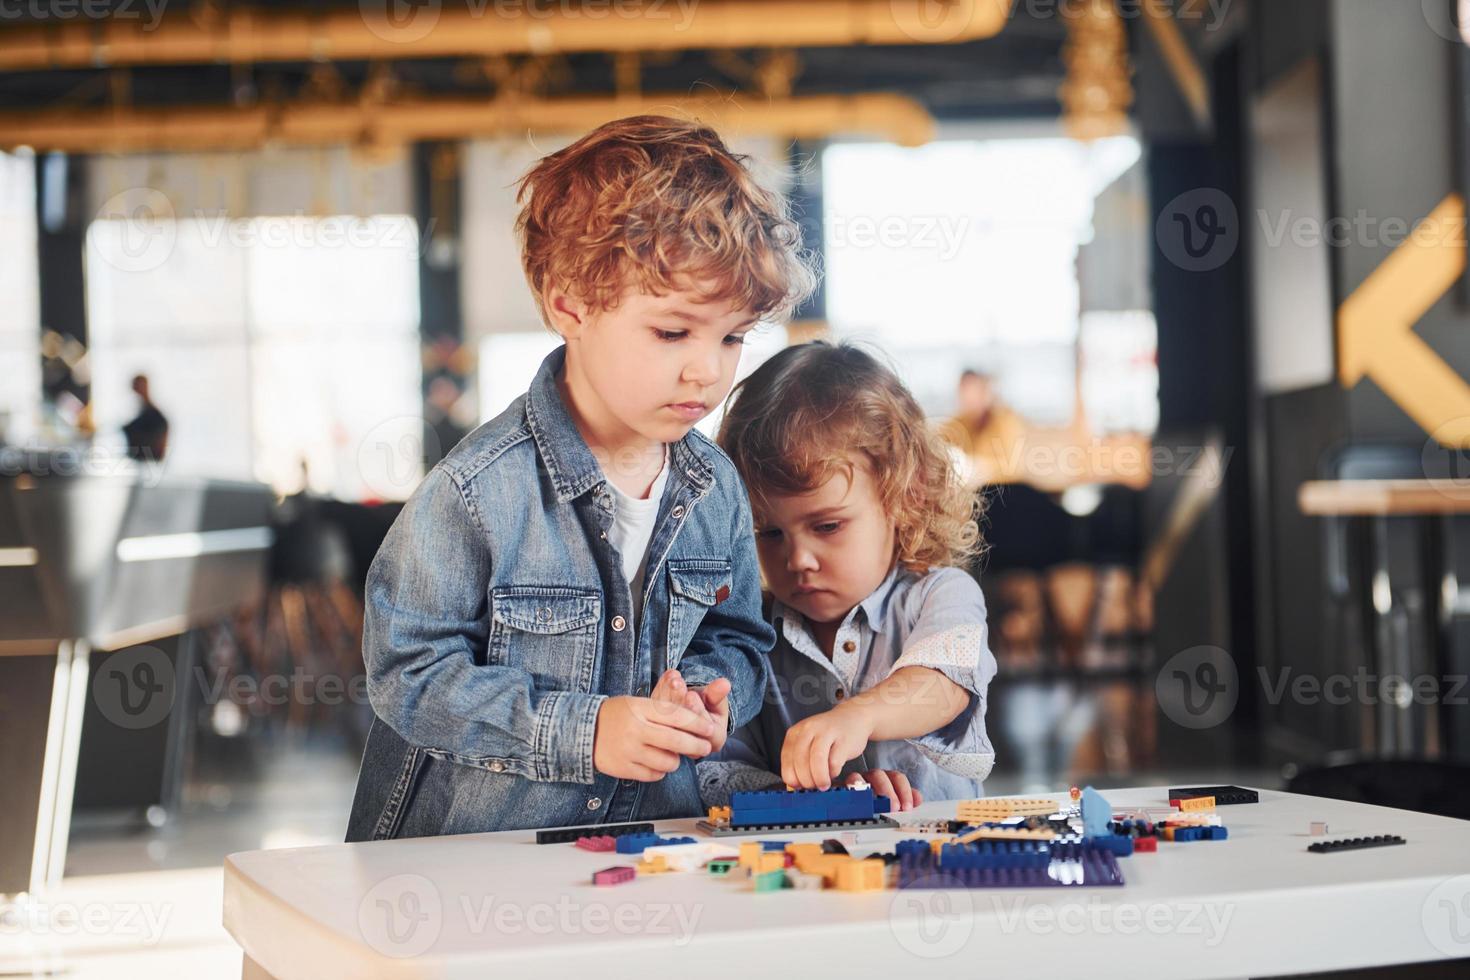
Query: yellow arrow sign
(1375, 326)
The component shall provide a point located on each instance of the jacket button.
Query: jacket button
(618, 623)
(677, 512)
(840, 694)
(496, 766)
(594, 803)
(849, 646)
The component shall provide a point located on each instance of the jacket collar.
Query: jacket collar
(569, 461)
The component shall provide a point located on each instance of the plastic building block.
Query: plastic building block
(1004, 833)
(1355, 843)
(1133, 828)
(999, 808)
(1318, 828)
(841, 808)
(1120, 844)
(774, 845)
(721, 867)
(1079, 864)
(1190, 804)
(616, 875)
(688, 855)
(1097, 813)
(654, 866)
(600, 843)
(802, 881)
(1145, 845)
(770, 881)
(866, 875)
(566, 835)
(719, 814)
(833, 846)
(635, 843)
(1224, 795)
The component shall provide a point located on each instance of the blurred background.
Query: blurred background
(1180, 281)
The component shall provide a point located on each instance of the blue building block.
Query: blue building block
(779, 807)
(1097, 814)
(1121, 845)
(635, 843)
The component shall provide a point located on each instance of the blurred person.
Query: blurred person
(147, 433)
(985, 432)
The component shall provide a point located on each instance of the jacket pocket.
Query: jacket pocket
(695, 587)
(548, 631)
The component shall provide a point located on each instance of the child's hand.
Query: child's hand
(816, 748)
(712, 699)
(643, 739)
(892, 784)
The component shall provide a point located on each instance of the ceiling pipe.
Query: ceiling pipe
(492, 27)
(897, 118)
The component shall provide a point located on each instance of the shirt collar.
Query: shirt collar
(569, 462)
(874, 608)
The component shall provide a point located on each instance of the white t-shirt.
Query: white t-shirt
(632, 529)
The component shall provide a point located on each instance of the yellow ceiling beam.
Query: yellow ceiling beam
(494, 27)
(882, 116)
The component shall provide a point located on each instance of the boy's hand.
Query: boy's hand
(713, 699)
(816, 748)
(892, 784)
(643, 739)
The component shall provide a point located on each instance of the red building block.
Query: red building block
(616, 875)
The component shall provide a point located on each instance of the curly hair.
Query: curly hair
(652, 202)
(801, 417)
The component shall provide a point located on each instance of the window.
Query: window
(20, 327)
(963, 253)
(282, 349)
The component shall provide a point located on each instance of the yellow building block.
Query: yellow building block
(861, 875)
(1001, 807)
(998, 833)
(770, 861)
(803, 854)
(719, 814)
(653, 866)
(1197, 803)
(750, 853)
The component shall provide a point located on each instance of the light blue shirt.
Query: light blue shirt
(935, 620)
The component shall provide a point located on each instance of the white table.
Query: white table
(500, 905)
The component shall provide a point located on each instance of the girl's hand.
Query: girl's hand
(816, 748)
(892, 784)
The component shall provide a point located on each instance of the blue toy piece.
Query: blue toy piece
(635, 843)
(794, 807)
(1097, 814)
(1045, 864)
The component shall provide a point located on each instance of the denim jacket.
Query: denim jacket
(498, 620)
